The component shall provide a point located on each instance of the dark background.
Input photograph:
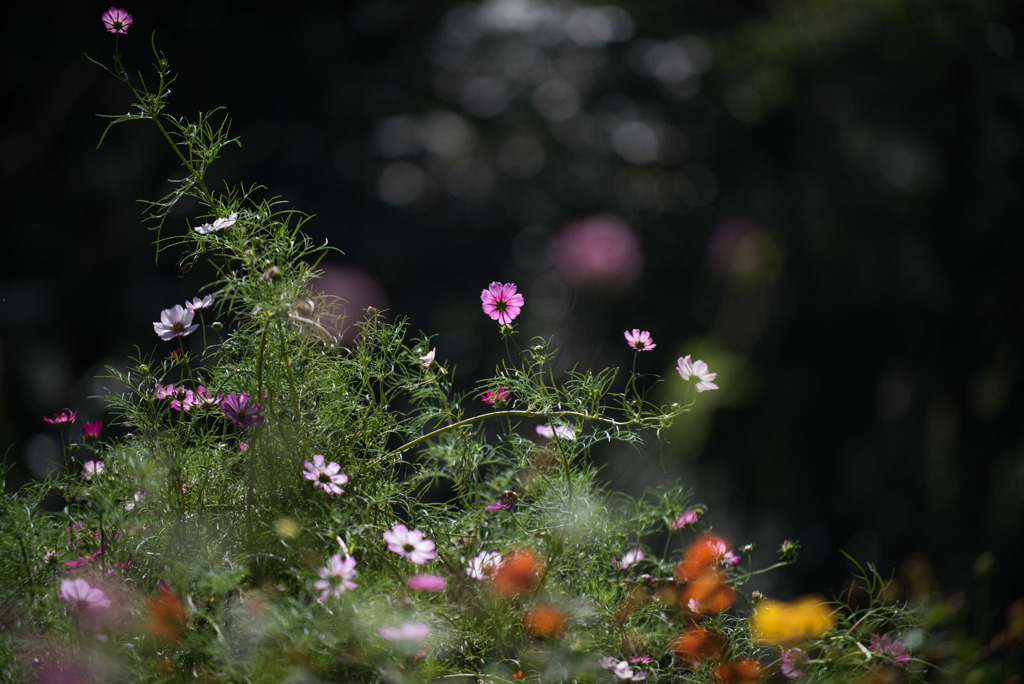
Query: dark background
(821, 199)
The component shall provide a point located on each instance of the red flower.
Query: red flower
(165, 616)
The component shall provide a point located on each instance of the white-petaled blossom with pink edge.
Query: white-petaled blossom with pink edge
(324, 474)
(196, 304)
(632, 557)
(483, 564)
(410, 543)
(218, 224)
(696, 369)
(174, 322)
(336, 577)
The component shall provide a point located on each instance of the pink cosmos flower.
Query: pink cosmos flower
(196, 304)
(336, 577)
(84, 560)
(723, 553)
(622, 670)
(116, 20)
(82, 596)
(91, 468)
(792, 659)
(240, 411)
(687, 518)
(639, 340)
(507, 500)
(175, 322)
(218, 224)
(408, 631)
(631, 557)
(696, 369)
(65, 416)
(428, 359)
(889, 651)
(324, 474)
(410, 543)
(91, 431)
(426, 582)
(498, 396)
(563, 431)
(161, 392)
(483, 564)
(501, 302)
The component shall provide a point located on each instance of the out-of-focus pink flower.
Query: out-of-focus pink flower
(507, 500)
(336, 577)
(631, 557)
(723, 552)
(408, 631)
(242, 413)
(92, 468)
(791, 661)
(501, 302)
(325, 475)
(410, 543)
(426, 582)
(639, 340)
(498, 396)
(84, 560)
(687, 518)
(174, 322)
(696, 369)
(116, 20)
(65, 416)
(91, 431)
(563, 431)
(82, 596)
(597, 251)
(890, 651)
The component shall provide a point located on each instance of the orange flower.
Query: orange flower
(708, 593)
(165, 616)
(518, 573)
(696, 645)
(744, 671)
(545, 621)
(701, 555)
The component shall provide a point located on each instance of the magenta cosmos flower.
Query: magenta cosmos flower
(324, 474)
(175, 322)
(498, 396)
(687, 518)
(240, 411)
(696, 369)
(426, 582)
(889, 651)
(639, 340)
(410, 543)
(116, 20)
(91, 431)
(65, 416)
(336, 577)
(82, 596)
(501, 302)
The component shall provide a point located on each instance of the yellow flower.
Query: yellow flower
(781, 623)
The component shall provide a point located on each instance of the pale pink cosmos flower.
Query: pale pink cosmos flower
(324, 474)
(622, 670)
(483, 564)
(563, 431)
(242, 413)
(116, 20)
(687, 518)
(410, 543)
(639, 340)
(498, 396)
(196, 304)
(890, 651)
(631, 557)
(791, 662)
(174, 322)
(426, 582)
(696, 369)
(336, 577)
(408, 631)
(427, 360)
(91, 468)
(65, 416)
(218, 224)
(501, 302)
(82, 596)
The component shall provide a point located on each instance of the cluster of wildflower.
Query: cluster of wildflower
(184, 399)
